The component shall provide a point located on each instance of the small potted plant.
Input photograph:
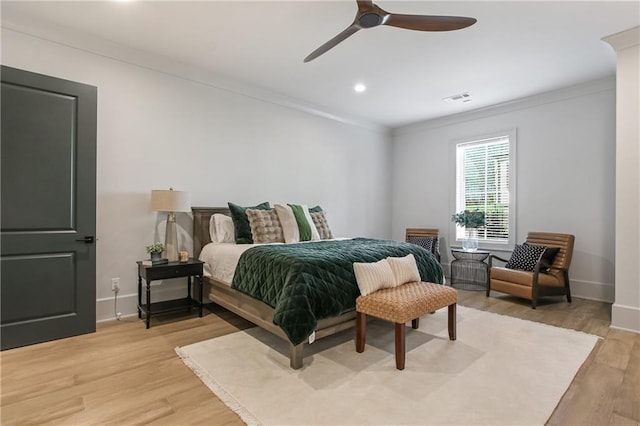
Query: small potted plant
(470, 221)
(155, 251)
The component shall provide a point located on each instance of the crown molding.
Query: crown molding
(575, 91)
(624, 39)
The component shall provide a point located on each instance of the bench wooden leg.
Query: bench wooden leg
(452, 321)
(415, 323)
(361, 331)
(400, 349)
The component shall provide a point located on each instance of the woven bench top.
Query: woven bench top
(406, 302)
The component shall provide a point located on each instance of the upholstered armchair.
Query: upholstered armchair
(428, 238)
(539, 267)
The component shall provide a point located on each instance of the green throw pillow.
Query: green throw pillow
(304, 227)
(316, 209)
(241, 226)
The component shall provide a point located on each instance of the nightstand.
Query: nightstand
(192, 268)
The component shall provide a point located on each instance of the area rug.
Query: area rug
(500, 371)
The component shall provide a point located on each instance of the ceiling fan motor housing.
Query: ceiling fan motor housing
(369, 20)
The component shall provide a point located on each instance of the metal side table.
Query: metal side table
(469, 271)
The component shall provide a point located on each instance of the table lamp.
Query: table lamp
(170, 201)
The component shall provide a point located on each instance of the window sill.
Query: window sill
(486, 248)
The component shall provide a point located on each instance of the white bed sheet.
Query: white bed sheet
(221, 259)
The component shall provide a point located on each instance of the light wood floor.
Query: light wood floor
(124, 374)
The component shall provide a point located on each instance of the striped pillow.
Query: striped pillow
(297, 223)
(304, 225)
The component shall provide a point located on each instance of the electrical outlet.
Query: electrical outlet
(115, 284)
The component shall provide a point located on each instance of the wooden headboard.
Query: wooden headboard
(201, 217)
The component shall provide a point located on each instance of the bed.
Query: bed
(267, 314)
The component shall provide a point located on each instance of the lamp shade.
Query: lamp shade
(168, 200)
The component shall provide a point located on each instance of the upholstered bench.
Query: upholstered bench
(403, 303)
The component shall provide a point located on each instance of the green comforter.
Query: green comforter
(310, 281)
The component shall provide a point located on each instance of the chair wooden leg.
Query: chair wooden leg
(361, 331)
(400, 348)
(452, 321)
(567, 286)
(415, 323)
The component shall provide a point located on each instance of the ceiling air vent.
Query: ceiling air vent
(460, 97)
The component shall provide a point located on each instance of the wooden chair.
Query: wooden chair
(428, 238)
(544, 280)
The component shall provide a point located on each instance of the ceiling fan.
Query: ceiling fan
(370, 15)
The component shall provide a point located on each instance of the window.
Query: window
(485, 181)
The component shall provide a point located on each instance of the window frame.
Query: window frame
(482, 244)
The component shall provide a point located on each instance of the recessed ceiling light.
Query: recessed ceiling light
(359, 87)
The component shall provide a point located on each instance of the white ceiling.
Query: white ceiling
(515, 49)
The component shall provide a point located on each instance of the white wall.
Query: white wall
(157, 130)
(565, 174)
(625, 313)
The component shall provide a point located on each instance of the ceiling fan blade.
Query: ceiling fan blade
(333, 42)
(366, 3)
(428, 23)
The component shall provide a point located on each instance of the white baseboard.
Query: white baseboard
(625, 317)
(579, 288)
(593, 291)
(127, 304)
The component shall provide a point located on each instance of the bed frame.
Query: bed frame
(246, 306)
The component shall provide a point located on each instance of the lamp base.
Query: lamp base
(171, 239)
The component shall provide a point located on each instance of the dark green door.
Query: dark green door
(48, 222)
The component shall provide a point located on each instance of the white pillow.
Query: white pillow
(212, 229)
(288, 223)
(405, 269)
(223, 225)
(372, 277)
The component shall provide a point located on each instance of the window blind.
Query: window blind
(482, 183)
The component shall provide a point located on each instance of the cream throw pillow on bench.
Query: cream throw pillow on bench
(372, 277)
(386, 273)
(405, 269)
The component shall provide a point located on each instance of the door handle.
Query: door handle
(86, 240)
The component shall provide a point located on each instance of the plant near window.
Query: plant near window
(155, 248)
(470, 219)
